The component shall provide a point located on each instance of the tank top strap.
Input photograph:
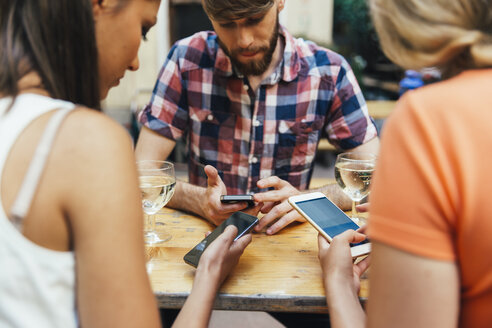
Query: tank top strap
(30, 183)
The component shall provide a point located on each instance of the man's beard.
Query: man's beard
(254, 67)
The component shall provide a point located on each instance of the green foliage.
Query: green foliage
(353, 15)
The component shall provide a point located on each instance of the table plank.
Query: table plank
(276, 273)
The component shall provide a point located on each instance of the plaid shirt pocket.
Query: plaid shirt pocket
(297, 142)
(213, 133)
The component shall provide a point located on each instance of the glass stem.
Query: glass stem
(354, 210)
(152, 222)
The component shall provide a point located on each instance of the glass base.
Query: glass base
(356, 220)
(360, 220)
(153, 238)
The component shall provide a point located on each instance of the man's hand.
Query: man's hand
(212, 208)
(276, 207)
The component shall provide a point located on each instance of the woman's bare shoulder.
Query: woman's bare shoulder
(87, 132)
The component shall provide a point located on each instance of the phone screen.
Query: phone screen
(327, 215)
(244, 223)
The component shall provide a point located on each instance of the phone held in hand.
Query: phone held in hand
(244, 223)
(232, 199)
(328, 219)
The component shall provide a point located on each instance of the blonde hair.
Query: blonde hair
(452, 34)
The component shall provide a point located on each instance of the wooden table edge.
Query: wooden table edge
(256, 302)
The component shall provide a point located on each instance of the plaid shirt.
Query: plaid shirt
(250, 135)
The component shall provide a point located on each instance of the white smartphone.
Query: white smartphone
(328, 219)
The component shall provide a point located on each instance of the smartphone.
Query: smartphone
(244, 223)
(232, 199)
(328, 219)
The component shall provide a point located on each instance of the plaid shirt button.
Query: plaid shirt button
(256, 123)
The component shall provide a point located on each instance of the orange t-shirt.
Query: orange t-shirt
(430, 195)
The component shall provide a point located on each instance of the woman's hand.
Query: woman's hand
(341, 278)
(336, 261)
(221, 256)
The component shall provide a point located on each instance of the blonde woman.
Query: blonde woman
(430, 209)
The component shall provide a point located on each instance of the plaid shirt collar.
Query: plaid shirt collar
(286, 70)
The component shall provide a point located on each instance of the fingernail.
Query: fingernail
(269, 231)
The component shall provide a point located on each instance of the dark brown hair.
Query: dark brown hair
(55, 39)
(235, 9)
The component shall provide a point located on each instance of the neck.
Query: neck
(31, 83)
(255, 80)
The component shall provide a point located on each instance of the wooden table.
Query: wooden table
(279, 273)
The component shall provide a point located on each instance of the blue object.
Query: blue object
(412, 80)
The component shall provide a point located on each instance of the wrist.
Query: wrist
(186, 196)
(205, 284)
(339, 288)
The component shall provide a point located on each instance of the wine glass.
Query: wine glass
(157, 183)
(353, 172)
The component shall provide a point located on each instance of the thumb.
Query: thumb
(213, 178)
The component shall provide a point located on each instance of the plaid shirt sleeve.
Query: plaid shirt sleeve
(350, 124)
(167, 112)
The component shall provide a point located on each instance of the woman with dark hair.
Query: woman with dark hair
(71, 243)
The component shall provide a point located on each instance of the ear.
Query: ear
(98, 6)
(281, 5)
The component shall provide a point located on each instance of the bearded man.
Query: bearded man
(252, 103)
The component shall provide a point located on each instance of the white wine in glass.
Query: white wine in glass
(353, 173)
(157, 183)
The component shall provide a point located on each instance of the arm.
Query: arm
(214, 266)
(412, 291)
(204, 202)
(102, 204)
(341, 279)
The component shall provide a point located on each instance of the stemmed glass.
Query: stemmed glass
(353, 172)
(157, 183)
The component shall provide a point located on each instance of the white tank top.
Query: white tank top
(37, 285)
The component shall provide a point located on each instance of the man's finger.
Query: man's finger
(275, 213)
(272, 195)
(272, 181)
(213, 178)
(282, 222)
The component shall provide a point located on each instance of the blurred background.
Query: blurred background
(341, 25)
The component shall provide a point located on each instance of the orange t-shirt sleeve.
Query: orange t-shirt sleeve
(412, 195)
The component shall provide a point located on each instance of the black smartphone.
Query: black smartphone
(232, 199)
(244, 223)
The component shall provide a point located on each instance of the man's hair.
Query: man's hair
(56, 40)
(454, 35)
(235, 9)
